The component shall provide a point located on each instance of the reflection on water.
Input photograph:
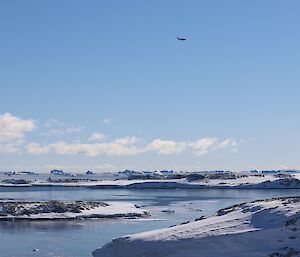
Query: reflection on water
(23, 226)
(79, 238)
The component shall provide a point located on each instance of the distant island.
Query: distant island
(57, 210)
(164, 179)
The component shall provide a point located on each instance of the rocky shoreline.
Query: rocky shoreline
(46, 210)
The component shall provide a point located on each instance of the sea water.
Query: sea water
(78, 238)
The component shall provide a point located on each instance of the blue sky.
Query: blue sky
(227, 98)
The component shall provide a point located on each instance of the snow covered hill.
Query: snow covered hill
(259, 228)
(291, 183)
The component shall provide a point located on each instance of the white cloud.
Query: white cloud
(58, 128)
(202, 146)
(229, 142)
(12, 132)
(96, 136)
(166, 146)
(127, 140)
(206, 145)
(107, 120)
(132, 146)
(14, 128)
(114, 149)
(109, 148)
(35, 148)
(200, 153)
(61, 131)
(9, 148)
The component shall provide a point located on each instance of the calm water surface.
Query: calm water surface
(80, 238)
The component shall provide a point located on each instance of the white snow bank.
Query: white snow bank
(259, 228)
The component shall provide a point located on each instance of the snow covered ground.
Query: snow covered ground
(256, 229)
(51, 210)
(249, 182)
(232, 180)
